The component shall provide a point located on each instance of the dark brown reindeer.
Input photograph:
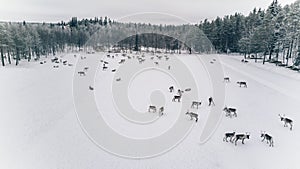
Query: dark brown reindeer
(187, 89)
(152, 109)
(244, 60)
(104, 68)
(230, 112)
(176, 97)
(196, 104)
(286, 121)
(226, 79)
(268, 138)
(228, 135)
(242, 137)
(242, 83)
(81, 73)
(161, 111)
(122, 61)
(192, 115)
(211, 101)
(171, 89)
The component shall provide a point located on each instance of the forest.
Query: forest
(272, 35)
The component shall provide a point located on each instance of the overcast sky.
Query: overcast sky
(191, 10)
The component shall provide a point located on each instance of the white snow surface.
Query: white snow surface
(39, 127)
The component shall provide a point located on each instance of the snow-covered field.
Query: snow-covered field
(39, 126)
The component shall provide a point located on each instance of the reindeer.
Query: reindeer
(159, 57)
(192, 115)
(81, 73)
(171, 89)
(152, 109)
(176, 97)
(55, 66)
(195, 104)
(228, 135)
(54, 59)
(180, 92)
(268, 138)
(118, 79)
(242, 83)
(70, 64)
(188, 90)
(230, 111)
(114, 70)
(244, 60)
(286, 121)
(91, 88)
(122, 61)
(85, 68)
(211, 101)
(242, 137)
(156, 63)
(226, 79)
(104, 68)
(65, 62)
(169, 67)
(141, 60)
(161, 111)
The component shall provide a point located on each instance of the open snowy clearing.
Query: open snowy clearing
(40, 129)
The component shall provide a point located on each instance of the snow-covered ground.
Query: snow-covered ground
(39, 126)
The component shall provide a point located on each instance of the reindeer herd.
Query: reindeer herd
(58, 60)
(230, 112)
(177, 97)
(233, 137)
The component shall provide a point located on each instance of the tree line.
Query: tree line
(29, 41)
(272, 34)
